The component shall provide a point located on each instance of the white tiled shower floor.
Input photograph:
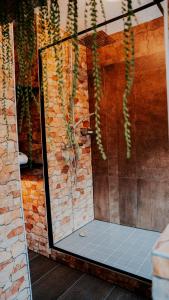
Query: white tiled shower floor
(122, 247)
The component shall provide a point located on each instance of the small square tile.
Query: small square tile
(123, 247)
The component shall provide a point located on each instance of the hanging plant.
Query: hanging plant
(50, 24)
(6, 56)
(22, 12)
(25, 36)
(55, 32)
(25, 49)
(86, 13)
(72, 28)
(87, 9)
(6, 71)
(129, 69)
(44, 39)
(97, 78)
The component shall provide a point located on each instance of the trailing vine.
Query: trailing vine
(87, 8)
(6, 70)
(7, 51)
(86, 11)
(72, 28)
(97, 78)
(50, 27)
(129, 69)
(43, 17)
(25, 48)
(102, 9)
(55, 30)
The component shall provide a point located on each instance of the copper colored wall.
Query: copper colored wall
(134, 192)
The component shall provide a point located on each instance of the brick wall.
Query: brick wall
(71, 203)
(33, 195)
(32, 180)
(14, 270)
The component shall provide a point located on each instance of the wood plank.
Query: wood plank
(114, 199)
(39, 266)
(145, 198)
(55, 283)
(120, 294)
(100, 167)
(32, 254)
(151, 141)
(88, 288)
(133, 197)
(150, 209)
(112, 141)
(101, 197)
(128, 201)
(160, 208)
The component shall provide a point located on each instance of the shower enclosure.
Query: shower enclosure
(109, 212)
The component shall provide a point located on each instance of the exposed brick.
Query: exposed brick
(4, 210)
(81, 191)
(14, 232)
(10, 204)
(4, 264)
(65, 169)
(86, 150)
(35, 209)
(28, 227)
(63, 187)
(80, 178)
(15, 287)
(35, 213)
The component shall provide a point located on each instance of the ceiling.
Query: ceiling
(112, 9)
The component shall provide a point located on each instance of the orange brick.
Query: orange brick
(14, 232)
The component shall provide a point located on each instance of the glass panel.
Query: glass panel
(100, 209)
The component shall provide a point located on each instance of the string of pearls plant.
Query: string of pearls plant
(26, 47)
(129, 69)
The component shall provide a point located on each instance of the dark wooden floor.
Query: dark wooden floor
(51, 281)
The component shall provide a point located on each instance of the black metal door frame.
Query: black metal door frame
(44, 144)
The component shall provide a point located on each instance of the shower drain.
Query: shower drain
(82, 233)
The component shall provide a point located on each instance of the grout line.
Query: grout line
(44, 275)
(71, 286)
(97, 245)
(93, 240)
(141, 265)
(33, 257)
(129, 236)
(81, 248)
(84, 246)
(106, 297)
